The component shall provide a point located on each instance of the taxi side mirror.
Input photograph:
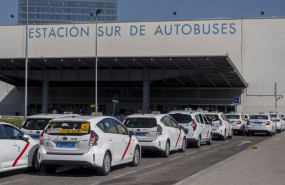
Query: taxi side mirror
(180, 127)
(131, 133)
(25, 137)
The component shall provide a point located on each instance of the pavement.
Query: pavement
(262, 165)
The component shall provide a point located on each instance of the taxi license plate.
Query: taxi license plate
(258, 123)
(65, 145)
(140, 134)
(35, 137)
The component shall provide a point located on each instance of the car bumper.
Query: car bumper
(217, 132)
(158, 144)
(93, 158)
(259, 129)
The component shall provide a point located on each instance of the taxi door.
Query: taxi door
(6, 159)
(205, 128)
(19, 146)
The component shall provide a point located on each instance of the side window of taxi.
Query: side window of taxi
(12, 132)
(166, 121)
(2, 134)
(174, 124)
(121, 129)
(107, 126)
(197, 118)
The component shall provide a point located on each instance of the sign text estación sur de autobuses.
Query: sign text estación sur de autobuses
(106, 30)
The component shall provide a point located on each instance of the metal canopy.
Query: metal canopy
(201, 71)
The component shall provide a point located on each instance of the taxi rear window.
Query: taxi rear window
(182, 118)
(258, 117)
(35, 124)
(68, 128)
(212, 117)
(232, 116)
(140, 122)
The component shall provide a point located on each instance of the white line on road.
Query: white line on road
(245, 142)
(96, 183)
(10, 182)
(217, 145)
(205, 148)
(152, 165)
(124, 174)
(175, 158)
(191, 153)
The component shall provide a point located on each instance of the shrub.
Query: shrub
(14, 121)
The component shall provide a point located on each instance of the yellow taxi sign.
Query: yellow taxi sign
(188, 109)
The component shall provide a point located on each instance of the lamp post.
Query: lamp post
(98, 11)
(26, 61)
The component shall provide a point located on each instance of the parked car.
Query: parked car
(100, 142)
(196, 127)
(238, 122)
(17, 149)
(34, 125)
(260, 123)
(157, 132)
(279, 121)
(220, 125)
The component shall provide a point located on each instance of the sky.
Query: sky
(140, 10)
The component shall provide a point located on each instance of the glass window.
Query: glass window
(35, 124)
(202, 120)
(121, 129)
(182, 118)
(107, 126)
(197, 118)
(2, 134)
(140, 122)
(258, 117)
(232, 116)
(174, 124)
(213, 117)
(166, 121)
(12, 132)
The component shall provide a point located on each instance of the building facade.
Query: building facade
(66, 11)
(159, 65)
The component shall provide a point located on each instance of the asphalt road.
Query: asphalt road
(152, 168)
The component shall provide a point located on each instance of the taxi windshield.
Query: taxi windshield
(232, 116)
(68, 128)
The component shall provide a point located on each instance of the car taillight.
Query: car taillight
(248, 123)
(267, 122)
(239, 122)
(278, 120)
(158, 129)
(42, 138)
(194, 125)
(93, 138)
(220, 122)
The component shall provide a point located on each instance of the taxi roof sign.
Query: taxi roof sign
(188, 109)
(68, 113)
(96, 114)
(155, 112)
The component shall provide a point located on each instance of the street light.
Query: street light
(26, 63)
(98, 11)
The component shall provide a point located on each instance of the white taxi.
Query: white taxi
(220, 125)
(157, 132)
(238, 122)
(196, 127)
(260, 123)
(34, 125)
(17, 150)
(100, 142)
(279, 120)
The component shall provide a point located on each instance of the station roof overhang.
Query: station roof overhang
(185, 71)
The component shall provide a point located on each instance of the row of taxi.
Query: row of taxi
(52, 141)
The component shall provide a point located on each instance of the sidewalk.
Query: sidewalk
(263, 166)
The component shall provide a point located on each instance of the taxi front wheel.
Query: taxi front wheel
(35, 163)
(136, 157)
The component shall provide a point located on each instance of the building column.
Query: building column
(146, 96)
(45, 97)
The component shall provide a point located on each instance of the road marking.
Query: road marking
(191, 153)
(96, 183)
(217, 145)
(10, 182)
(245, 142)
(152, 165)
(205, 148)
(124, 174)
(175, 158)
